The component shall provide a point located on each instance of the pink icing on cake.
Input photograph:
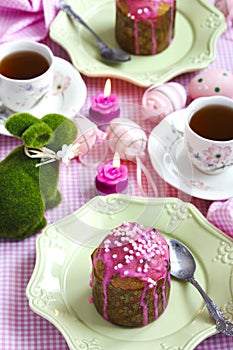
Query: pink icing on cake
(147, 11)
(132, 250)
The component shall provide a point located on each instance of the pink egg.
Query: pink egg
(213, 82)
(166, 98)
(127, 138)
(88, 134)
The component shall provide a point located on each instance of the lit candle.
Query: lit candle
(104, 107)
(111, 177)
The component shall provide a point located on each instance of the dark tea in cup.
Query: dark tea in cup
(26, 74)
(23, 65)
(213, 122)
(208, 134)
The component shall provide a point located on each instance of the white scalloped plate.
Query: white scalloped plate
(198, 27)
(59, 286)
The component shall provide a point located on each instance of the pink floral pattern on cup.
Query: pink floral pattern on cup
(217, 154)
(214, 158)
(209, 156)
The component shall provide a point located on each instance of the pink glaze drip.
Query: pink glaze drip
(136, 42)
(144, 306)
(153, 39)
(147, 10)
(132, 250)
(91, 283)
(156, 299)
(164, 297)
(171, 21)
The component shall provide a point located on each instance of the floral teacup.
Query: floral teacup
(211, 155)
(17, 92)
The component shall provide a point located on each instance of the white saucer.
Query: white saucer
(170, 160)
(67, 97)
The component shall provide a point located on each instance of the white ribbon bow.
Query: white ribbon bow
(48, 156)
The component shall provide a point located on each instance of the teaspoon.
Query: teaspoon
(111, 55)
(183, 267)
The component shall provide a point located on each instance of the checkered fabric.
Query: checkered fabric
(26, 19)
(21, 328)
(220, 214)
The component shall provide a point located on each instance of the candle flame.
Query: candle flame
(107, 88)
(116, 162)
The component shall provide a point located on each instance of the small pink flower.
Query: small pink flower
(217, 154)
(60, 83)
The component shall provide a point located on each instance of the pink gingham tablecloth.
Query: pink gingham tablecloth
(22, 329)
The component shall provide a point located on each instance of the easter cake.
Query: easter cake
(131, 275)
(145, 27)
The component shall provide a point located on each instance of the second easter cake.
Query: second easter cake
(131, 275)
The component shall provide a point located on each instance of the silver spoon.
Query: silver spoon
(107, 53)
(183, 267)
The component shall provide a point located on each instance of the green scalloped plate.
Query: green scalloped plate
(198, 26)
(59, 286)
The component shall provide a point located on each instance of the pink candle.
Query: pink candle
(111, 177)
(104, 107)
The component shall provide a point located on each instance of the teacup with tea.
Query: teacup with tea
(26, 74)
(208, 133)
